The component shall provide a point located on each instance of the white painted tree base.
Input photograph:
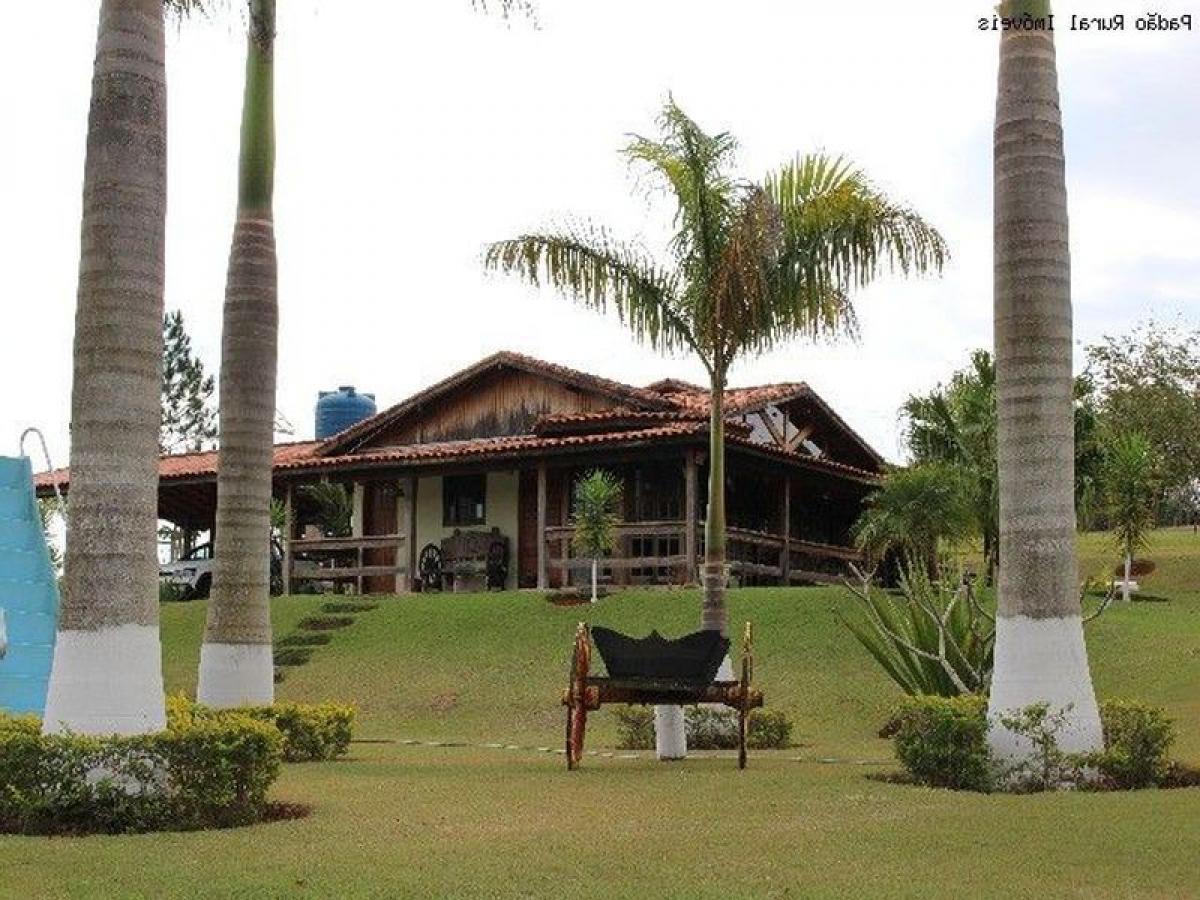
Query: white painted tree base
(670, 735)
(1043, 660)
(236, 675)
(107, 681)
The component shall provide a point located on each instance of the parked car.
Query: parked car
(191, 576)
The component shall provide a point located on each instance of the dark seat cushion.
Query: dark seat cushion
(693, 658)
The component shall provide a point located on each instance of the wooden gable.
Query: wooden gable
(497, 403)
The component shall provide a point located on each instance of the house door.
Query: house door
(380, 517)
(527, 530)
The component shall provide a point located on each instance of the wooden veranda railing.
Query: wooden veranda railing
(751, 553)
(343, 559)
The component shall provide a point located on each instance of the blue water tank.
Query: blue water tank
(338, 410)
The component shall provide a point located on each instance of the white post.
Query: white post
(670, 736)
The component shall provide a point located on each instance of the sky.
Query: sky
(411, 134)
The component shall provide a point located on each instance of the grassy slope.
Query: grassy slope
(404, 821)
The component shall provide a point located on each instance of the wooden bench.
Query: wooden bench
(475, 554)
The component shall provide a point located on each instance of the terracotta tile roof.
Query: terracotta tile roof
(737, 400)
(192, 465)
(623, 393)
(612, 418)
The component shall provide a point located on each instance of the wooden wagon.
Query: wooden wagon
(655, 671)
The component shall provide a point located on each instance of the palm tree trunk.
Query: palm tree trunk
(714, 616)
(1040, 652)
(107, 669)
(236, 666)
(595, 577)
(1128, 569)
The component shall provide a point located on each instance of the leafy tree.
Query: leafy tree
(917, 510)
(596, 512)
(1148, 381)
(189, 421)
(1131, 492)
(749, 267)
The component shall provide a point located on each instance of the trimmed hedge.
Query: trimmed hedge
(942, 741)
(201, 774)
(311, 732)
(707, 729)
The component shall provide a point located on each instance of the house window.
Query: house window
(464, 500)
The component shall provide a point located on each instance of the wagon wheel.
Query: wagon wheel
(576, 696)
(497, 564)
(744, 693)
(429, 567)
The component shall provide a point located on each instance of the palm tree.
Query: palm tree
(596, 513)
(236, 665)
(1131, 491)
(107, 671)
(749, 267)
(917, 511)
(955, 426)
(1040, 651)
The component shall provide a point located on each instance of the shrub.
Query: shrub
(310, 732)
(1047, 767)
(324, 623)
(198, 774)
(635, 728)
(169, 592)
(710, 729)
(304, 640)
(942, 741)
(1137, 739)
(769, 729)
(349, 606)
(706, 728)
(292, 656)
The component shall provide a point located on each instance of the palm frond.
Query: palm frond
(588, 266)
(694, 165)
(840, 232)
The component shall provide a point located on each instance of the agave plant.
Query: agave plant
(932, 638)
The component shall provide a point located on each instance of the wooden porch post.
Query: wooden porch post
(356, 528)
(689, 514)
(401, 581)
(289, 532)
(785, 558)
(410, 530)
(543, 575)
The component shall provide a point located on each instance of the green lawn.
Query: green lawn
(473, 821)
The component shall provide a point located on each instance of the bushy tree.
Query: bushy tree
(1148, 381)
(189, 419)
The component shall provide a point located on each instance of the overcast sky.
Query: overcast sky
(410, 134)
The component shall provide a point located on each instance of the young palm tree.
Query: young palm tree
(107, 670)
(596, 514)
(750, 267)
(236, 665)
(1040, 652)
(1131, 492)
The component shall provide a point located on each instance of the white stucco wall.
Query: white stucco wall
(500, 509)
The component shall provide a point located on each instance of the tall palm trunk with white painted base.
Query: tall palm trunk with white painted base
(1040, 652)
(236, 666)
(107, 671)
